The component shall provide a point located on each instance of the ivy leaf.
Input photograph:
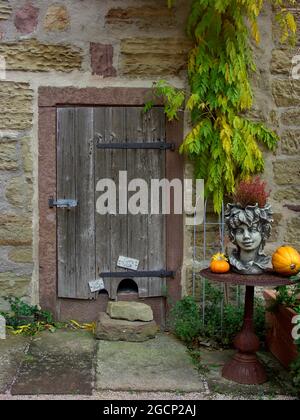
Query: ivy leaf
(148, 106)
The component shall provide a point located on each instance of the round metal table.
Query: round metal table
(245, 368)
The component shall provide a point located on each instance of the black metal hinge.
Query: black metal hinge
(155, 145)
(124, 274)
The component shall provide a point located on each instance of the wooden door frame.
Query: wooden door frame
(49, 99)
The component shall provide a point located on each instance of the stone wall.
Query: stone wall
(79, 43)
(125, 43)
(277, 101)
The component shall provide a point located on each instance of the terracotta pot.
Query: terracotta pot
(279, 333)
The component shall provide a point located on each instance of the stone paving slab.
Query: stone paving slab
(160, 364)
(62, 366)
(12, 352)
(279, 380)
(59, 363)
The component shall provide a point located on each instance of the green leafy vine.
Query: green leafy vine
(223, 143)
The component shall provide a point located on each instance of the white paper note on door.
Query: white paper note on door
(129, 263)
(96, 285)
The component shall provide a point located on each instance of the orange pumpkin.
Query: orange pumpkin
(286, 261)
(219, 264)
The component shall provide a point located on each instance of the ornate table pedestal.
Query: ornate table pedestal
(245, 368)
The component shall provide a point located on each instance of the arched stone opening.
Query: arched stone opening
(128, 286)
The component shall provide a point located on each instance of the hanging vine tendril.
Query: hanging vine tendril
(223, 143)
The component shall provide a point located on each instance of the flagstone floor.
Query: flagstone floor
(72, 365)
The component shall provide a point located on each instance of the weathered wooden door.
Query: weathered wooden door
(90, 243)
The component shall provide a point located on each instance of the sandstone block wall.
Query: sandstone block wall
(125, 43)
(78, 43)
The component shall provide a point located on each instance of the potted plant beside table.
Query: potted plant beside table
(283, 321)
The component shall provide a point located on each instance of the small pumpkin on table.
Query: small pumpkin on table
(219, 264)
(286, 261)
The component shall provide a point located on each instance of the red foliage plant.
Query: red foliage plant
(252, 192)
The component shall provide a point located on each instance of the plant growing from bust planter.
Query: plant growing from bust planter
(249, 222)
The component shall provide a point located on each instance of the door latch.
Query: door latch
(62, 204)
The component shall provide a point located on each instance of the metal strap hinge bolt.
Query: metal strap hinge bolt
(62, 203)
(159, 145)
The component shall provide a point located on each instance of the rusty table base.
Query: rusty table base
(245, 367)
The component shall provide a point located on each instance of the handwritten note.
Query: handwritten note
(96, 285)
(129, 263)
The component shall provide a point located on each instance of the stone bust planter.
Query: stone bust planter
(249, 227)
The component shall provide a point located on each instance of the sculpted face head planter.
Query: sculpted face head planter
(249, 228)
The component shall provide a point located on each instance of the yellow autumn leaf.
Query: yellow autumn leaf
(255, 31)
(75, 323)
(219, 257)
(226, 134)
(290, 19)
(192, 101)
(90, 327)
(86, 326)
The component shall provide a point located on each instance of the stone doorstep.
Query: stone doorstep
(130, 311)
(109, 329)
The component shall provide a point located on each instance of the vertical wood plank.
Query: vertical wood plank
(111, 229)
(116, 132)
(85, 212)
(102, 171)
(66, 188)
(137, 163)
(155, 130)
